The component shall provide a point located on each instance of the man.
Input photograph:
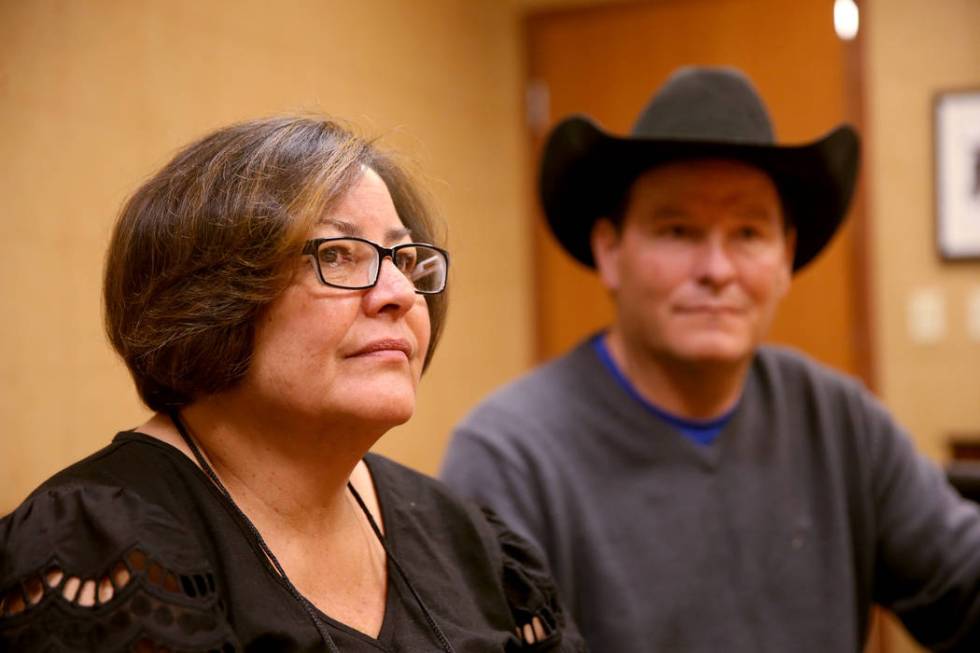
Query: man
(692, 489)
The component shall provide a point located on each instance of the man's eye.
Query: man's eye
(679, 231)
(748, 233)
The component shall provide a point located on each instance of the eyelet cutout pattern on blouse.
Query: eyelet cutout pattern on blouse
(534, 632)
(136, 605)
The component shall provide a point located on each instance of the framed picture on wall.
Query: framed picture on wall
(957, 170)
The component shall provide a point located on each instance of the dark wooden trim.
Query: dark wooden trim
(855, 93)
(855, 65)
(535, 141)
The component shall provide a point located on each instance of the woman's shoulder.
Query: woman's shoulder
(422, 504)
(132, 458)
(417, 502)
(392, 477)
(511, 570)
(89, 562)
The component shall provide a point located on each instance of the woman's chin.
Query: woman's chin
(386, 409)
(395, 416)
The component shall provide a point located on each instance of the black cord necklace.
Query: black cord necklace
(270, 556)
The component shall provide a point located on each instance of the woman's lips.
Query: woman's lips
(386, 347)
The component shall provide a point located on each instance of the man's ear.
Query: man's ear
(605, 250)
(790, 246)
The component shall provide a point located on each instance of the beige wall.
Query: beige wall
(95, 95)
(915, 49)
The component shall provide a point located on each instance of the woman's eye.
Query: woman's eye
(336, 255)
(407, 260)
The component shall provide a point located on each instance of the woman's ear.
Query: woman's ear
(605, 252)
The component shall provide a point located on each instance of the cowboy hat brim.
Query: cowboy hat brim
(585, 173)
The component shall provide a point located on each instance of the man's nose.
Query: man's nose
(715, 264)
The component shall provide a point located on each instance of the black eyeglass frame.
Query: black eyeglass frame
(310, 248)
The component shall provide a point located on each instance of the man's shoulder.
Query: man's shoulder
(782, 364)
(542, 393)
(791, 378)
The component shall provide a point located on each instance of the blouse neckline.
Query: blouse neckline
(385, 635)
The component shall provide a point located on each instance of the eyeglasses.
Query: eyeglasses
(355, 263)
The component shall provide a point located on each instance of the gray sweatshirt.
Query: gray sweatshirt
(810, 506)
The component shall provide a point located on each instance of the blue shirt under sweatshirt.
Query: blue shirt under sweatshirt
(701, 431)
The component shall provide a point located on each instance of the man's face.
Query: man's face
(699, 263)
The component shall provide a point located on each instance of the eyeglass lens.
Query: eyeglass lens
(354, 264)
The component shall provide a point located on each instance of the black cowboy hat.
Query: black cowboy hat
(698, 113)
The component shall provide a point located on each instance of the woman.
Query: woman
(276, 297)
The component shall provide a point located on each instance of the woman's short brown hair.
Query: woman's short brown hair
(204, 245)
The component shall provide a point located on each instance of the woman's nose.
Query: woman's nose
(394, 292)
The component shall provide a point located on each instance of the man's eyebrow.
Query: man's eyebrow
(668, 212)
(755, 212)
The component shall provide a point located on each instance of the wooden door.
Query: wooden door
(606, 61)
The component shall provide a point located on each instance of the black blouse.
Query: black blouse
(133, 548)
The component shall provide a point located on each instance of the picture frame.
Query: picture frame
(956, 123)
